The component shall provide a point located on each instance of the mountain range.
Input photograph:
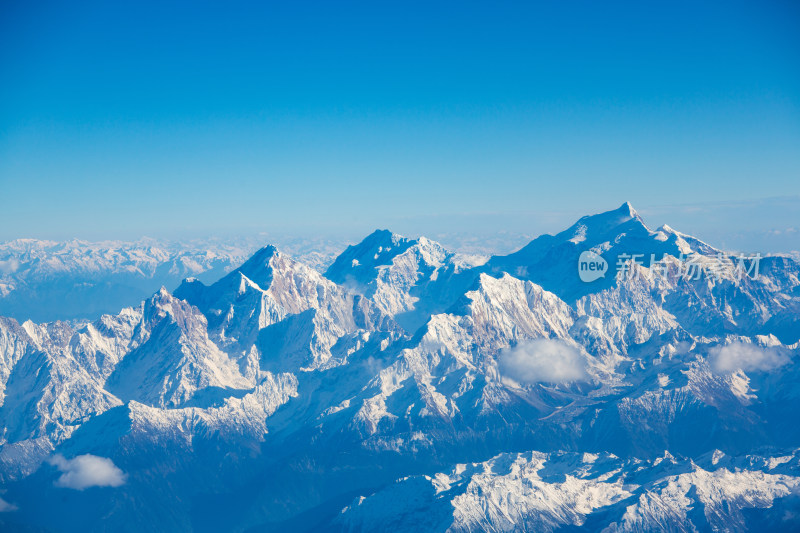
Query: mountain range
(406, 387)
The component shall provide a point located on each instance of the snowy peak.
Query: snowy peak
(595, 229)
(259, 267)
(357, 265)
(174, 360)
(409, 279)
(162, 304)
(628, 209)
(617, 235)
(264, 268)
(584, 492)
(269, 289)
(45, 280)
(687, 243)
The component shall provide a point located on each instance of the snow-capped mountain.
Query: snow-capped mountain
(80, 280)
(406, 278)
(533, 491)
(411, 387)
(271, 298)
(47, 280)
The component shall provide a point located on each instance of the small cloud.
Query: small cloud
(747, 357)
(373, 366)
(6, 507)
(10, 266)
(86, 471)
(543, 360)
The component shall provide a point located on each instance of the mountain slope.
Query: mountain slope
(410, 387)
(409, 279)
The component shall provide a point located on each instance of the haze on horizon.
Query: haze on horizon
(190, 119)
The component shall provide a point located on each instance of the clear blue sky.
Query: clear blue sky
(145, 118)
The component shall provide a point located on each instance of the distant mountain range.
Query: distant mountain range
(80, 280)
(400, 386)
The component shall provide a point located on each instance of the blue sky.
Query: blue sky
(118, 121)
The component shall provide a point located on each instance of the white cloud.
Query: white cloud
(748, 357)
(10, 266)
(6, 507)
(86, 471)
(543, 360)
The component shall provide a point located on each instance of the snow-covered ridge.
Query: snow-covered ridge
(597, 492)
(50, 280)
(408, 387)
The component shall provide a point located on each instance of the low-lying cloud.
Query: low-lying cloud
(86, 471)
(6, 507)
(9, 266)
(747, 357)
(543, 360)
